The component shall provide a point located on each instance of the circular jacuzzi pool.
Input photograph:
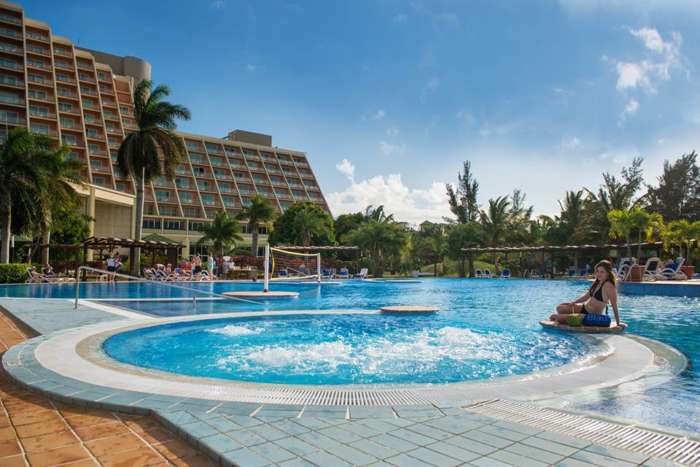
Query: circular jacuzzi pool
(338, 349)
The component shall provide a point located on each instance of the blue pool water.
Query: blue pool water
(486, 328)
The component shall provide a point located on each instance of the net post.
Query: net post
(266, 269)
(318, 268)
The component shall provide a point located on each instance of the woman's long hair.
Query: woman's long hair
(607, 265)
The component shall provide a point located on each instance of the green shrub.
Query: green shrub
(13, 272)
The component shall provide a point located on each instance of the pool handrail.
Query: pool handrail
(143, 279)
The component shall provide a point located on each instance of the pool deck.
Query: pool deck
(483, 432)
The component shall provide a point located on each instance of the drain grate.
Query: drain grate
(674, 448)
(329, 397)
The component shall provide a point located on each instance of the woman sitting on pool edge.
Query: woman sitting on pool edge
(602, 291)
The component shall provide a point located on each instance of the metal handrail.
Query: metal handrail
(143, 279)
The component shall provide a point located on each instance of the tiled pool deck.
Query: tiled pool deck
(249, 434)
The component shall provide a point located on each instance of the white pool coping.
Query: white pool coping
(78, 354)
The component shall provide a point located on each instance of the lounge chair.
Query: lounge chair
(651, 268)
(362, 274)
(673, 272)
(327, 274)
(343, 273)
(624, 268)
(478, 273)
(487, 274)
(506, 274)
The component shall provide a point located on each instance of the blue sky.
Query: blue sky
(388, 97)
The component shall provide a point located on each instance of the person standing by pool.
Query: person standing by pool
(596, 299)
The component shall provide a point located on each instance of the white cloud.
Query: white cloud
(392, 131)
(379, 115)
(572, 143)
(250, 67)
(218, 4)
(389, 149)
(638, 6)
(345, 167)
(631, 108)
(413, 205)
(664, 56)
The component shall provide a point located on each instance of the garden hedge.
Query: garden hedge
(13, 272)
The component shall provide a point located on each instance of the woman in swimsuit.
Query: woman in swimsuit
(595, 301)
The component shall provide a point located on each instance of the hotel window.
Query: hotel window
(65, 107)
(168, 211)
(124, 110)
(92, 133)
(73, 155)
(36, 78)
(34, 94)
(186, 197)
(199, 170)
(192, 144)
(208, 199)
(9, 116)
(196, 158)
(197, 226)
(204, 185)
(190, 211)
(40, 111)
(162, 195)
(63, 63)
(95, 164)
(121, 186)
(221, 174)
(225, 188)
(40, 128)
(151, 224)
(99, 180)
(229, 201)
(173, 225)
(89, 103)
(85, 77)
(70, 139)
(182, 183)
(9, 63)
(181, 169)
(94, 148)
(102, 75)
(63, 77)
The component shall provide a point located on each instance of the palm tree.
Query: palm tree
(309, 222)
(495, 219)
(621, 226)
(258, 212)
(682, 232)
(645, 223)
(154, 149)
(380, 242)
(62, 172)
(377, 214)
(26, 162)
(223, 232)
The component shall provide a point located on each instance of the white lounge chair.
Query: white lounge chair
(487, 274)
(478, 273)
(651, 268)
(362, 274)
(506, 274)
(673, 272)
(625, 267)
(343, 273)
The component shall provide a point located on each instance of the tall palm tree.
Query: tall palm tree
(23, 183)
(258, 212)
(223, 232)
(309, 222)
(377, 214)
(380, 242)
(154, 149)
(62, 173)
(495, 219)
(621, 226)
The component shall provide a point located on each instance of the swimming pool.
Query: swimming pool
(477, 309)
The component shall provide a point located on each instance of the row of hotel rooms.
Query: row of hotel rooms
(61, 91)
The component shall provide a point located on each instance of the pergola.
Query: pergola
(575, 249)
(171, 250)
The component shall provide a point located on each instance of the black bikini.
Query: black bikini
(598, 295)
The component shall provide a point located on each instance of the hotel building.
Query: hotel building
(83, 98)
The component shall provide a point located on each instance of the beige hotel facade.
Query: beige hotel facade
(83, 98)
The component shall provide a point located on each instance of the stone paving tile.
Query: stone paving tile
(516, 459)
(339, 434)
(518, 427)
(487, 438)
(199, 429)
(537, 454)
(222, 424)
(270, 432)
(453, 451)
(236, 408)
(503, 433)
(491, 462)
(243, 421)
(471, 445)
(628, 456)
(571, 462)
(246, 457)
(659, 463)
(324, 458)
(325, 412)
(550, 446)
(219, 443)
(432, 457)
(319, 441)
(296, 446)
(394, 442)
(312, 423)
(411, 436)
(246, 437)
(291, 427)
(404, 460)
(353, 456)
(428, 431)
(298, 462)
(454, 425)
(273, 452)
(598, 459)
(563, 439)
(377, 450)
(371, 412)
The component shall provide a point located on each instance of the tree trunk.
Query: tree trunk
(639, 246)
(6, 233)
(461, 266)
(138, 231)
(45, 239)
(254, 245)
(471, 266)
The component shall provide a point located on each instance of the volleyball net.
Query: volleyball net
(284, 264)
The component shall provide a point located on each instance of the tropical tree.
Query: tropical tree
(494, 220)
(519, 219)
(463, 199)
(154, 149)
(621, 226)
(682, 232)
(464, 236)
(678, 194)
(30, 167)
(429, 245)
(645, 223)
(346, 223)
(62, 173)
(380, 242)
(258, 213)
(223, 233)
(303, 224)
(377, 214)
